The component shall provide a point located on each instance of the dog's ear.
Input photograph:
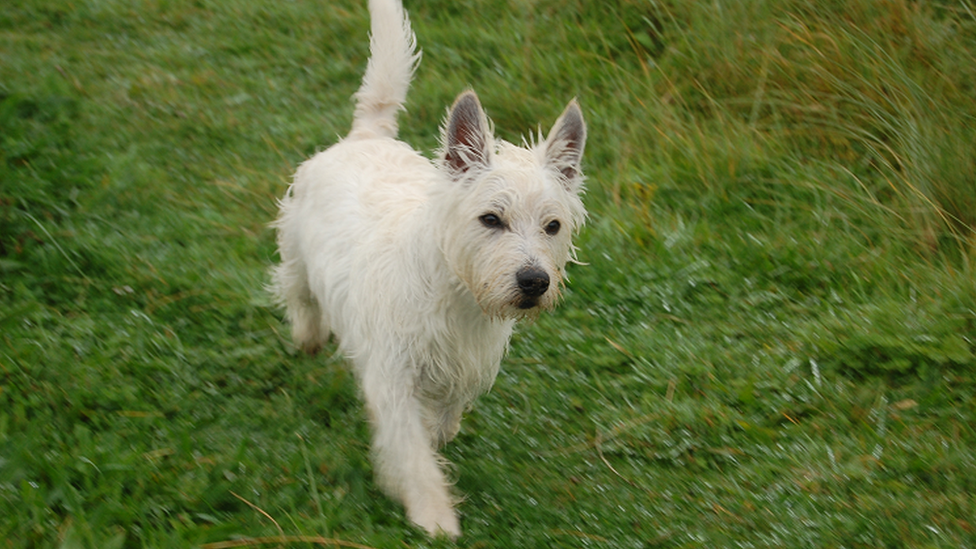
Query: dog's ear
(467, 136)
(564, 146)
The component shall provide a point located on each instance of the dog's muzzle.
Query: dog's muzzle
(532, 282)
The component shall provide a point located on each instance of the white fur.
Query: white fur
(394, 255)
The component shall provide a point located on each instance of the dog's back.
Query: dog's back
(321, 214)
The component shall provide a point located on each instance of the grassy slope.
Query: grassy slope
(771, 344)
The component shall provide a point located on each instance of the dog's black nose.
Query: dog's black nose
(532, 281)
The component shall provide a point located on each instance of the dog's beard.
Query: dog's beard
(512, 304)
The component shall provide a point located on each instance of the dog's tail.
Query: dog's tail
(392, 61)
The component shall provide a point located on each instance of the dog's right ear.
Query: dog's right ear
(467, 136)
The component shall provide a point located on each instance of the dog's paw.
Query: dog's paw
(437, 522)
(311, 347)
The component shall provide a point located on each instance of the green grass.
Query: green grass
(772, 342)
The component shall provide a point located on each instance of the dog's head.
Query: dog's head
(509, 213)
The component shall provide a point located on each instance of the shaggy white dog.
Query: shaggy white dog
(420, 269)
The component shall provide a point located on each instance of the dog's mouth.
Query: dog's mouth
(516, 304)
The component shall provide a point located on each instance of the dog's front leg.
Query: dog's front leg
(405, 460)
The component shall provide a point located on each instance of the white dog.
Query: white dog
(421, 269)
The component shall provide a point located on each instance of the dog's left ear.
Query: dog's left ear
(467, 136)
(564, 146)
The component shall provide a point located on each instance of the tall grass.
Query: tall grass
(872, 101)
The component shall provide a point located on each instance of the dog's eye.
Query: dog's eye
(491, 221)
(553, 227)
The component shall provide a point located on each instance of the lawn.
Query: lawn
(770, 340)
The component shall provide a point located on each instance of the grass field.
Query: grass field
(772, 341)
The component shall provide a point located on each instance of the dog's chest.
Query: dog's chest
(462, 361)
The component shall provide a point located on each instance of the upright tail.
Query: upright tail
(392, 61)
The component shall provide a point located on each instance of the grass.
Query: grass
(772, 342)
